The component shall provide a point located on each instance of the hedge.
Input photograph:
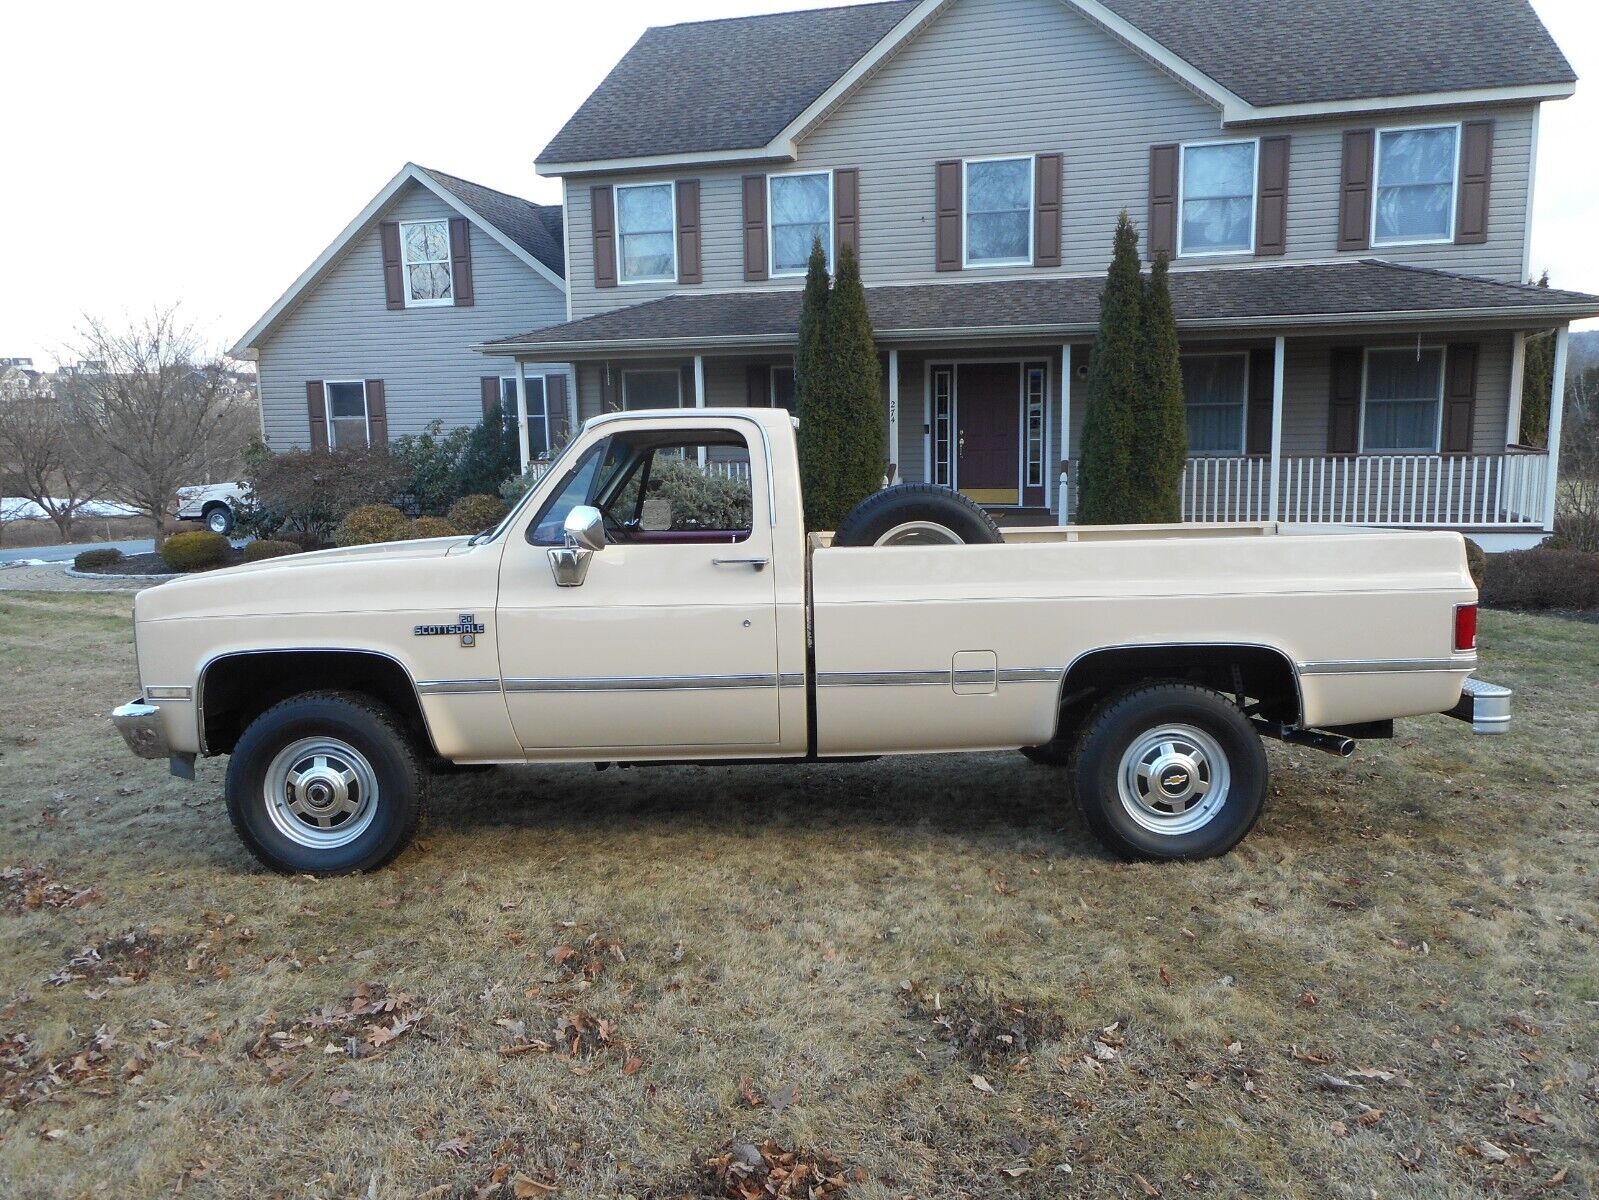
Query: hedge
(93, 560)
(433, 527)
(265, 548)
(191, 551)
(372, 523)
(1538, 579)
(477, 512)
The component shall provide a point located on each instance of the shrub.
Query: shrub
(517, 486)
(477, 511)
(308, 492)
(1537, 579)
(700, 500)
(191, 551)
(265, 548)
(490, 455)
(372, 523)
(433, 458)
(1476, 562)
(433, 527)
(93, 560)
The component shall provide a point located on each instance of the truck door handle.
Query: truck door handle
(758, 563)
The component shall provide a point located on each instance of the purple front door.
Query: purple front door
(988, 431)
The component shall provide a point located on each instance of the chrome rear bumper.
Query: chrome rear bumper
(1485, 706)
(140, 726)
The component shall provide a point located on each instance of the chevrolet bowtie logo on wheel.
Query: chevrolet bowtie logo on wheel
(466, 628)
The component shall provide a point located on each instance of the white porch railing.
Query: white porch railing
(1505, 490)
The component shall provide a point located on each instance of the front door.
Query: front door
(671, 640)
(988, 431)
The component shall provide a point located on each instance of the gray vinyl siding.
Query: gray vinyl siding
(991, 77)
(341, 329)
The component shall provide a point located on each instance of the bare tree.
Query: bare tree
(159, 407)
(47, 454)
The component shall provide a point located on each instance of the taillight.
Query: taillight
(1465, 628)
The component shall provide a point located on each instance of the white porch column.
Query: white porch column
(1063, 487)
(893, 416)
(1518, 364)
(521, 411)
(1557, 416)
(699, 394)
(1279, 352)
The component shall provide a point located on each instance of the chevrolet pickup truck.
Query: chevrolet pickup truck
(656, 598)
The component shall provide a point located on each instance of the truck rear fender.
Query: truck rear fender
(236, 688)
(1263, 673)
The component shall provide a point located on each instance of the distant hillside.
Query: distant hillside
(1584, 350)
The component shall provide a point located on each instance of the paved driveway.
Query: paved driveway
(67, 553)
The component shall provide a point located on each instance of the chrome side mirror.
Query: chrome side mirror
(585, 533)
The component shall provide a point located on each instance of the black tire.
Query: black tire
(397, 803)
(1057, 753)
(1134, 829)
(218, 518)
(948, 516)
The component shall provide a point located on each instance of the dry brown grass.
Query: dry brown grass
(725, 957)
(22, 534)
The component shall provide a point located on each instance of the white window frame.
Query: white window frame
(621, 263)
(406, 264)
(1448, 236)
(1438, 414)
(508, 397)
(1032, 212)
(1182, 199)
(673, 371)
(832, 219)
(1243, 407)
(327, 408)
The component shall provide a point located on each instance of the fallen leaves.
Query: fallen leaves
(982, 1085)
(365, 1023)
(31, 888)
(985, 1030)
(745, 1171)
(120, 961)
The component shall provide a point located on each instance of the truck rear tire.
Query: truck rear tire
(916, 514)
(1169, 771)
(326, 783)
(218, 518)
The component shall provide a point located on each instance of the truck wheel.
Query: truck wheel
(916, 514)
(326, 783)
(219, 519)
(1169, 771)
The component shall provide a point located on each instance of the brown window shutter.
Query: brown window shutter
(688, 231)
(1343, 407)
(393, 280)
(377, 415)
(489, 387)
(1163, 200)
(316, 410)
(1271, 207)
(758, 385)
(602, 217)
(1354, 190)
(754, 228)
(1476, 170)
(461, 262)
(847, 209)
(555, 406)
(1257, 425)
(1460, 397)
(947, 215)
(1046, 210)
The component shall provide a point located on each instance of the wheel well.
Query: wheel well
(237, 688)
(1264, 675)
(210, 504)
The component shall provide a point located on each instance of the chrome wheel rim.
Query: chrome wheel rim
(218, 522)
(919, 533)
(1174, 779)
(321, 793)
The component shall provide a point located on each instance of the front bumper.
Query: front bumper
(140, 726)
(1485, 706)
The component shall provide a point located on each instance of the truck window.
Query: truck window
(550, 528)
(683, 490)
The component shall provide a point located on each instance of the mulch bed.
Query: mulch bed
(154, 564)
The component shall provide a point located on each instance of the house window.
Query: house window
(1035, 382)
(800, 210)
(425, 250)
(784, 393)
(645, 233)
(999, 211)
(538, 413)
(1415, 185)
(347, 423)
(1214, 394)
(943, 389)
(652, 389)
(1217, 197)
(1403, 400)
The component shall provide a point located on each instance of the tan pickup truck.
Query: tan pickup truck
(656, 598)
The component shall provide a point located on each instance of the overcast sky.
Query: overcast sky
(205, 153)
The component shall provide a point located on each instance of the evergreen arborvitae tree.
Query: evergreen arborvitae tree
(854, 406)
(1537, 382)
(493, 454)
(818, 453)
(1161, 417)
(1107, 483)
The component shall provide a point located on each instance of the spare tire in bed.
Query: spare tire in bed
(916, 514)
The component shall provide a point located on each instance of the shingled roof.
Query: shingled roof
(1364, 291)
(691, 89)
(534, 227)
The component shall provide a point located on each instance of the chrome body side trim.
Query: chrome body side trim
(639, 683)
(1375, 666)
(943, 677)
(456, 687)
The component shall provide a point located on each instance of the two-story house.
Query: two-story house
(374, 340)
(1344, 190)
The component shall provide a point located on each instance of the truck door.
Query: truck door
(670, 641)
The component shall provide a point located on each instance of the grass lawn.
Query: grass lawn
(921, 972)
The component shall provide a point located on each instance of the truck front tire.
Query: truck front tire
(1169, 771)
(326, 783)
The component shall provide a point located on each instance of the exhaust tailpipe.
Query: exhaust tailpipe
(1315, 739)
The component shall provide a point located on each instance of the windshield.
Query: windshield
(556, 467)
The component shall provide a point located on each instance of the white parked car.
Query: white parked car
(216, 504)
